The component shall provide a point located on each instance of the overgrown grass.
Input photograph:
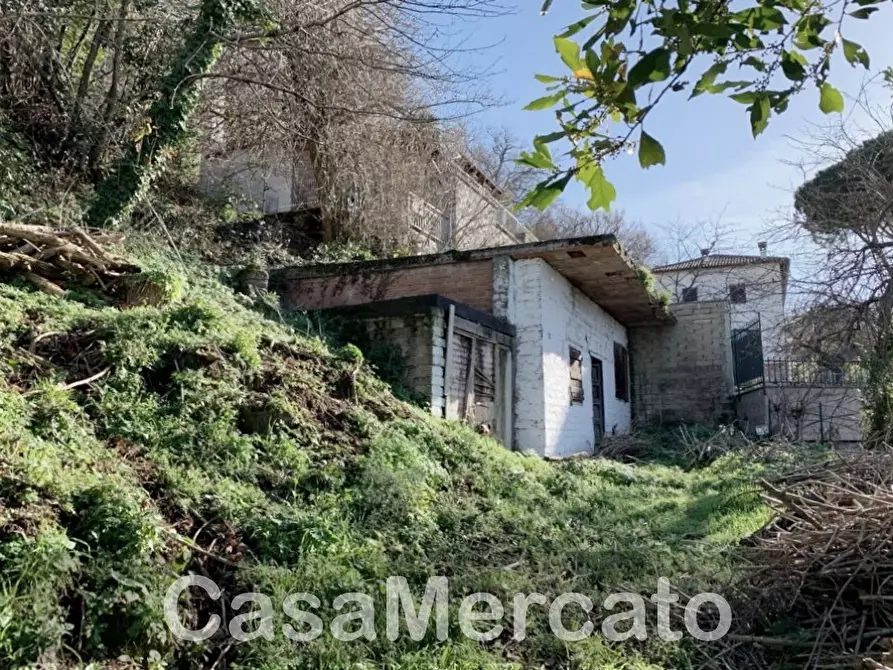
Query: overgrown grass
(262, 445)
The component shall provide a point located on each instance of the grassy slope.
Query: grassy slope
(218, 423)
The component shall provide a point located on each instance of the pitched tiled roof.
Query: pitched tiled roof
(720, 261)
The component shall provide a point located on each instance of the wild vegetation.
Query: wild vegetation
(154, 423)
(224, 443)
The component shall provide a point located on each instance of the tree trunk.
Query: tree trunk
(114, 93)
(167, 119)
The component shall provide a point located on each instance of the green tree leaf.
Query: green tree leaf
(545, 193)
(863, 13)
(830, 99)
(854, 53)
(546, 78)
(705, 83)
(601, 192)
(650, 151)
(793, 64)
(538, 160)
(548, 137)
(576, 27)
(545, 102)
(756, 63)
(569, 52)
(759, 114)
(746, 98)
(652, 67)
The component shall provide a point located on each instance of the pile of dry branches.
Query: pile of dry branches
(57, 259)
(825, 566)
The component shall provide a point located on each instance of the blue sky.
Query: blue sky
(715, 169)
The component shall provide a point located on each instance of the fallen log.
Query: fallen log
(55, 260)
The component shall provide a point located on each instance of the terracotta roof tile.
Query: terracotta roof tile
(720, 261)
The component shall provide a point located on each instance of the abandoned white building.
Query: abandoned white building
(529, 340)
(553, 346)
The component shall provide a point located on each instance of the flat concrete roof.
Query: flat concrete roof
(595, 264)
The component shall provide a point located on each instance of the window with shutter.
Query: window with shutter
(576, 377)
(621, 372)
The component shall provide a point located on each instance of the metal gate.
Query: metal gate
(747, 352)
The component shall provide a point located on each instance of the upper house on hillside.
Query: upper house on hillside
(805, 398)
(466, 209)
(754, 286)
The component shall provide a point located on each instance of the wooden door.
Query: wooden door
(598, 401)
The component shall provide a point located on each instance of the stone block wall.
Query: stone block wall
(420, 339)
(684, 372)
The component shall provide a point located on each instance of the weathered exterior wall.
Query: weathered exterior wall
(684, 372)
(478, 220)
(525, 299)
(420, 338)
(805, 413)
(468, 216)
(764, 288)
(469, 282)
(550, 316)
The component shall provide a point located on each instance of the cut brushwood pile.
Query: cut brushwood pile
(56, 260)
(821, 592)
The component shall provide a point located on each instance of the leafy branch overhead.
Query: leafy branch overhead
(626, 56)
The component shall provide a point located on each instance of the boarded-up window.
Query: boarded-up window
(484, 372)
(690, 294)
(459, 381)
(621, 372)
(576, 377)
(737, 293)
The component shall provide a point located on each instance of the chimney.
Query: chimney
(705, 252)
(762, 246)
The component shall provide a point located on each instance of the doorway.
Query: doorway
(598, 402)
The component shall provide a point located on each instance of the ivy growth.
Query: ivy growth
(166, 123)
(626, 56)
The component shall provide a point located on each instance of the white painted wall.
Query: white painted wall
(765, 295)
(550, 316)
(525, 311)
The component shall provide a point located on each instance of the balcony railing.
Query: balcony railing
(812, 373)
(426, 218)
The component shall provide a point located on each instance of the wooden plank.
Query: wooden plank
(448, 360)
(469, 380)
(507, 397)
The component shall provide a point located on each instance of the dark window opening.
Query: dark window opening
(737, 293)
(621, 372)
(690, 294)
(576, 377)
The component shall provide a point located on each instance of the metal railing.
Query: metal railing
(803, 373)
